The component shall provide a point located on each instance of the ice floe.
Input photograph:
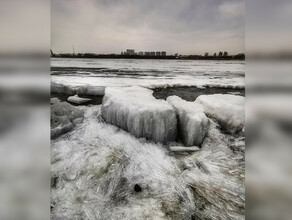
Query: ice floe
(227, 109)
(193, 124)
(135, 110)
(77, 100)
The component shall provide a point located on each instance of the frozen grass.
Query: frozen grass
(96, 166)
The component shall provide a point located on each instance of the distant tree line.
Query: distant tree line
(221, 56)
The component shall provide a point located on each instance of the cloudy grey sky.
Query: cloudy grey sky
(183, 26)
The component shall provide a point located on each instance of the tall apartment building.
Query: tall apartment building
(130, 52)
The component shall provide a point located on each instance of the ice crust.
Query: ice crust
(135, 110)
(193, 124)
(228, 110)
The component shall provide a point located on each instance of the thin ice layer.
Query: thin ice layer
(228, 110)
(193, 124)
(135, 110)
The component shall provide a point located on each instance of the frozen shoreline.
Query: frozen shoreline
(93, 86)
(188, 93)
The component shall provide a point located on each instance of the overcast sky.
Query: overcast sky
(183, 26)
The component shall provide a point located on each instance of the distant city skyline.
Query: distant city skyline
(148, 53)
(184, 27)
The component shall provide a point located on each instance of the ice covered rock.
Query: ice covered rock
(135, 110)
(63, 117)
(228, 110)
(77, 100)
(193, 124)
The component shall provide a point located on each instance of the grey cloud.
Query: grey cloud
(186, 26)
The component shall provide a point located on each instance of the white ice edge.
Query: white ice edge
(96, 85)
